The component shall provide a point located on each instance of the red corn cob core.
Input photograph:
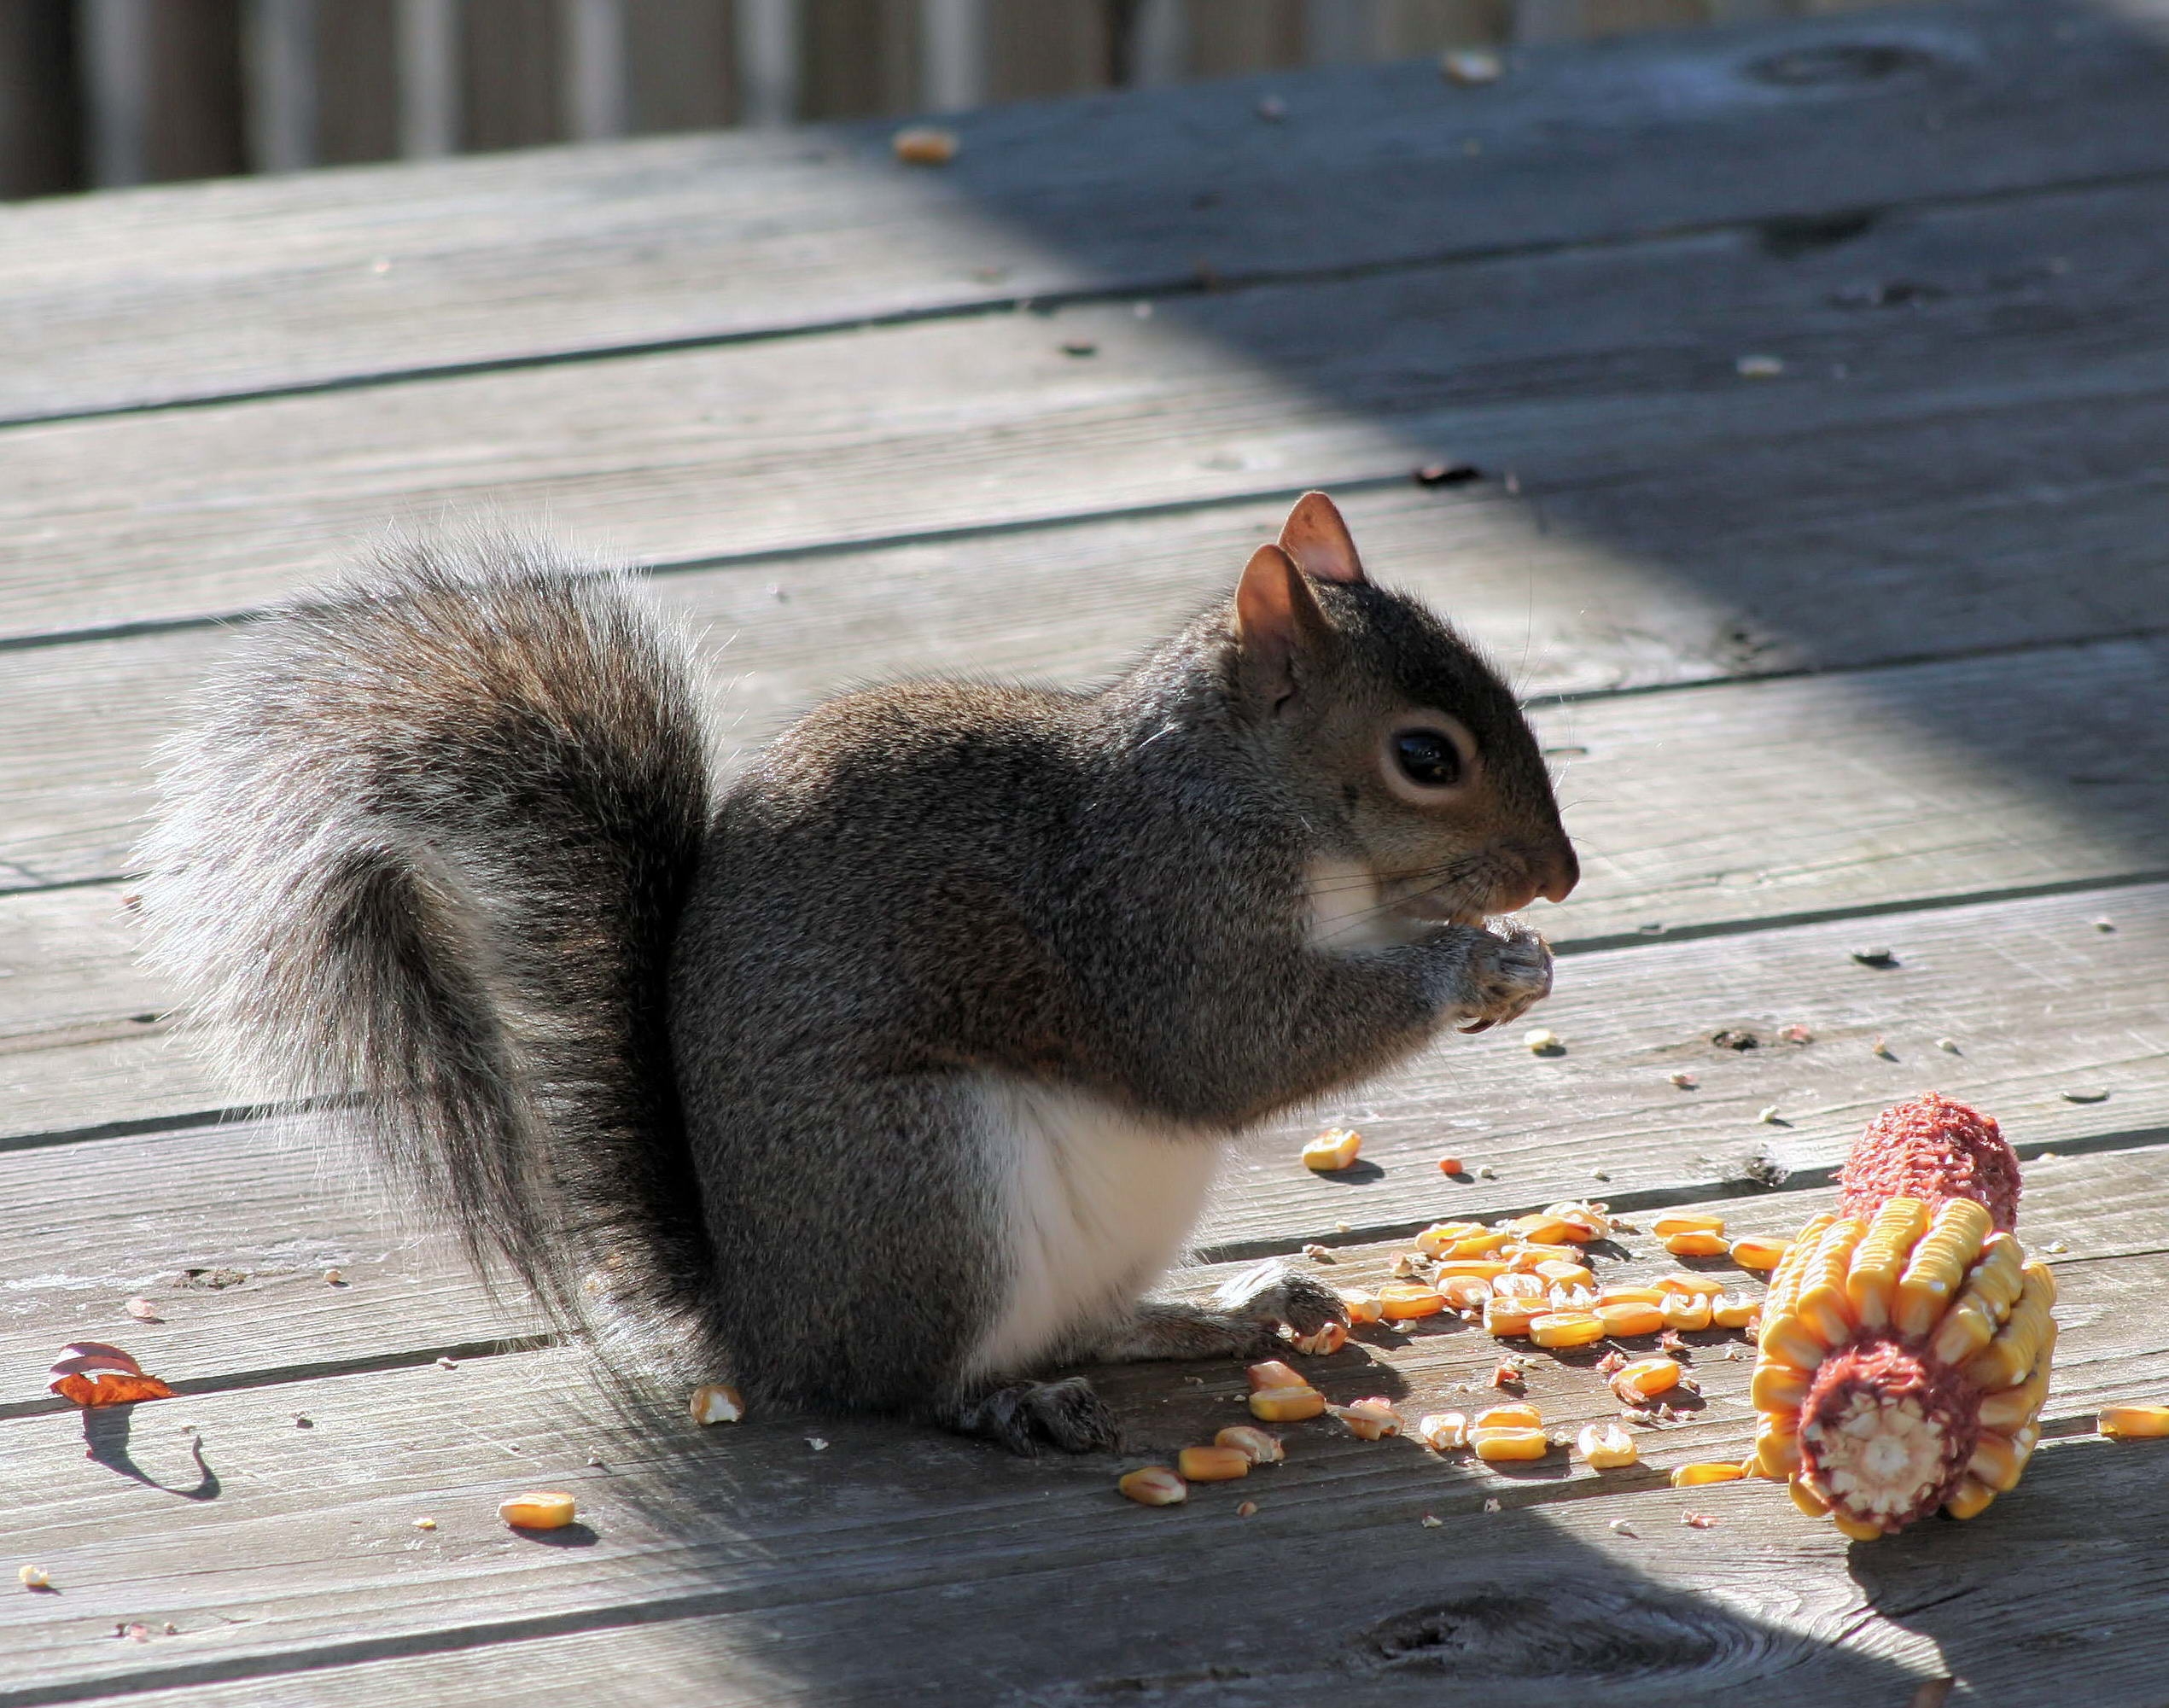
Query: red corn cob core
(1934, 1150)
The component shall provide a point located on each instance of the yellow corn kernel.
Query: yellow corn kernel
(1640, 1294)
(1644, 1377)
(1751, 1251)
(1777, 1387)
(1507, 1317)
(1361, 1306)
(1583, 1222)
(34, 1577)
(1211, 1464)
(1519, 1287)
(1605, 1446)
(1999, 1460)
(924, 145)
(1686, 1221)
(1694, 1476)
(1327, 1340)
(1273, 1373)
(2020, 1342)
(1566, 1328)
(1967, 1327)
(1332, 1151)
(1789, 1340)
(1442, 1431)
(1488, 1269)
(1871, 1281)
(1405, 1301)
(1698, 1287)
(1999, 1276)
(1936, 1269)
(1855, 1529)
(1971, 1500)
(2011, 1409)
(1488, 1243)
(1686, 1312)
(1694, 1244)
(1465, 1292)
(1153, 1485)
(1822, 1304)
(1806, 1499)
(1777, 1450)
(1527, 1254)
(1541, 1228)
(1735, 1310)
(1253, 1445)
(543, 1509)
(1494, 1445)
(715, 1402)
(1514, 1415)
(1287, 1405)
(1557, 1274)
(2133, 1423)
(1369, 1418)
(1630, 1317)
(1571, 1299)
(1785, 1278)
(1441, 1236)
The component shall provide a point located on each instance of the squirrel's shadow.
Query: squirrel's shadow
(105, 1434)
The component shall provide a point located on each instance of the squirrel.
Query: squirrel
(894, 1074)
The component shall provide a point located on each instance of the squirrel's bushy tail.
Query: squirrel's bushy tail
(421, 858)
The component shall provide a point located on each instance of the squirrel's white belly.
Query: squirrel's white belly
(1096, 1204)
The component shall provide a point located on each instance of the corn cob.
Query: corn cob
(1905, 1344)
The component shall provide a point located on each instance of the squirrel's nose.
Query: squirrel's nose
(1556, 875)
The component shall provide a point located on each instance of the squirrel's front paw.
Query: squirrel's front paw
(1507, 974)
(1268, 1293)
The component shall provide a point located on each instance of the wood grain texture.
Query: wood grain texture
(308, 1539)
(275, 283)
(1615, 364)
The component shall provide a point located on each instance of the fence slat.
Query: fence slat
(279, 65)
(768, 37)
(953, 54)
(115, 59)
(429, 59)
(593, 76)
(1342, 31)
(1159, 42)
(1549, 20)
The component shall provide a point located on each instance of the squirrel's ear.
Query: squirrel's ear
(1276, 616)
(1317, 538)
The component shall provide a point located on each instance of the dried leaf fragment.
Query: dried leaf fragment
(90, 1373)
(925, 145)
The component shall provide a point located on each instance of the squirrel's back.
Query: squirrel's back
(422, 854)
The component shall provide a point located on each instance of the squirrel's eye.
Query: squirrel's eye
(1428, 757)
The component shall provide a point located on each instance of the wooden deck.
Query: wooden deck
(1873, 651)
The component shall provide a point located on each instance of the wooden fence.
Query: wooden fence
(96, 92)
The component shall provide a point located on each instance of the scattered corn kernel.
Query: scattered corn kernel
(1405, 1301)
(1683, 1281)
(35, 1578)
(1752, 1251)
(1328, 1340)
(1583, 1222)
(1247, 1509)
(1332, 1151)
(1153, 1485)
(1630, 1317)
(2133, 1423)
(1211, 1464)
(1273, 1373)
(1489, 1267)
(924, 146)
(1465, 1292)
(715, 1402)
(1505, 1316)
(1686, 1313)
(1709, 1471)
(1442, 1431)
(1369, 1418)
(1571, 1299)
(1541, 1041)
(1451, 1165)
(1566, 1328)
(1519, 1287)
(1561, 1273)
(1735, 1310)
(1514, 1414)
(1255, 1444)
(546, 1509)
(1361, 1306)
(1529, 1254)
(1494, 1445)
(1630, 1294)
(1605, 1446)
(1645, 1378)
(1442, 1237)
(1287, 1405)
(1693, 1244)
(1685, 1222)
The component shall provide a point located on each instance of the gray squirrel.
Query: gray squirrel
(895, 1073)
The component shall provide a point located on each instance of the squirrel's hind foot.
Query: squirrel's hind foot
(1027, 1417)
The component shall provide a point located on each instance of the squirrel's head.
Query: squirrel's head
(1394, 732)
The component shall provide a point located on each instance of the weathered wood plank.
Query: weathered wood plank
(114, 304)
(756, 1526)
(1616, 363)
(2039, 1001)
